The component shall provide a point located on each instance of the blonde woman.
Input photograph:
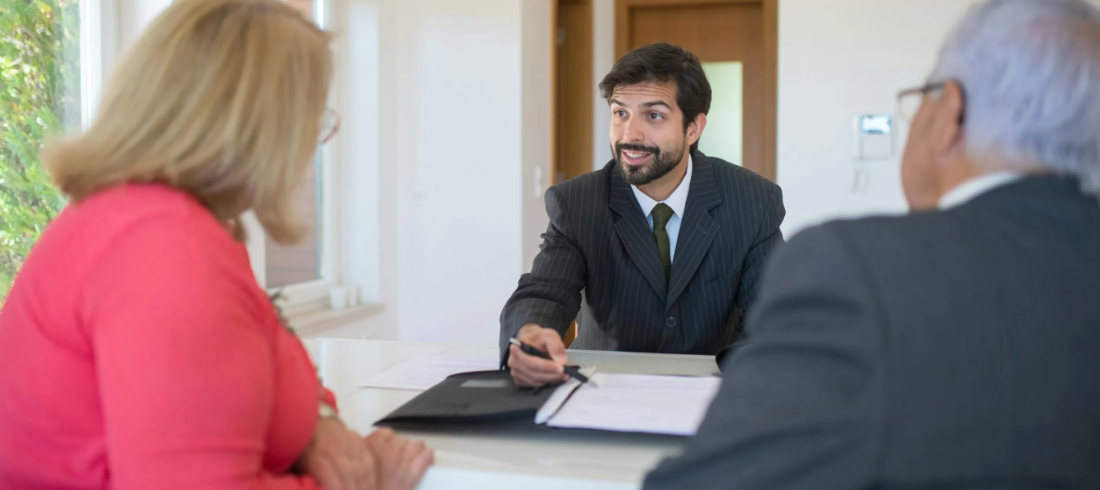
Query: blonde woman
(138, 351)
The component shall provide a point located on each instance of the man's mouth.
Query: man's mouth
(635, 158)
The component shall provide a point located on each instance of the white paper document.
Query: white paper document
(673, 405)
(421, 373)
(561, 395)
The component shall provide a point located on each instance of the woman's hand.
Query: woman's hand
(338, 458)
(400, 463)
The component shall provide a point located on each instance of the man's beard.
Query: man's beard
(660, 165)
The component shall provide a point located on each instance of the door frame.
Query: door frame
(554, 12)
(556, 83)
(767, 167)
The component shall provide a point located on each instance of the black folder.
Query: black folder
(468, 400)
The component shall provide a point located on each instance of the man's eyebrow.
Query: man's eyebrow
(654, 103)
(657, 103)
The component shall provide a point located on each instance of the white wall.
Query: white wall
(837, 59)
(458, 159)
(360, 210)
(463, 122)
(537, 118)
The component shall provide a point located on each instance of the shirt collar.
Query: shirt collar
(975, 187)
(677, 200)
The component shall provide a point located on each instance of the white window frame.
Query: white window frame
(98, 45)
(312, 295)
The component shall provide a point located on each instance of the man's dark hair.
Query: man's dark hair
(663, 62)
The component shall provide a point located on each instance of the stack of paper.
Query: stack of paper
(673, 405)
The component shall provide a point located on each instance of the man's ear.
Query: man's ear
(947, 129)
(695, 129)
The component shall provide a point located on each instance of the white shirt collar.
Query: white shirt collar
(677, 200)
(975, 187)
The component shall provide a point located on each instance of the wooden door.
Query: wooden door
(718, 31)
(573, 90)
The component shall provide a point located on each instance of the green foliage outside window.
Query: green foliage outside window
(39, 97)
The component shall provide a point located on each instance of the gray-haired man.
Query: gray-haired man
(959, 346)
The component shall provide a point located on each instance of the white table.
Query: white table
(553, 460)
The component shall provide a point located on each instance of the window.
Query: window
(40, 72)
(300, 263)
(304, 272)
(54, 55)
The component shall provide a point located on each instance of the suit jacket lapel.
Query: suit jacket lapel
(698, 228)
(633, 230)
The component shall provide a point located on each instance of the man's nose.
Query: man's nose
(632, 132)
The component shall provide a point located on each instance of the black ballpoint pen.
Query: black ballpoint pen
(572, 371)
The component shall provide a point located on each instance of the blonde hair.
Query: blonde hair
(222, 99)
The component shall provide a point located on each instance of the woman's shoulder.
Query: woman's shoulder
(124, 209)
(142, 200)
(153, 219)
(150, 235)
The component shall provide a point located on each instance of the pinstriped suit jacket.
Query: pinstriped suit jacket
(599, 259)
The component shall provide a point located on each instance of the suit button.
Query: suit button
(671, 322)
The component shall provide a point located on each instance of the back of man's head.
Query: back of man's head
(1030, 70)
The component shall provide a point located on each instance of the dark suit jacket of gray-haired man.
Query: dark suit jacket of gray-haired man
(957, 347)
(599, 242)
(954, 348)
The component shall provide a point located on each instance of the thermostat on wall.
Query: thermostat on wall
(874, 137)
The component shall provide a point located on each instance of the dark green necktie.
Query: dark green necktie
(661, 214)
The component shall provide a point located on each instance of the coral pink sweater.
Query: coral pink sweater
(138, 352)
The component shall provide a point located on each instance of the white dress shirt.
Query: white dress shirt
(677, 201)
(964, 192)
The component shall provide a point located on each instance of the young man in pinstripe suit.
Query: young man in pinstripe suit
(661, 249)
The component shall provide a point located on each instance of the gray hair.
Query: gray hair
(1030, 70)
